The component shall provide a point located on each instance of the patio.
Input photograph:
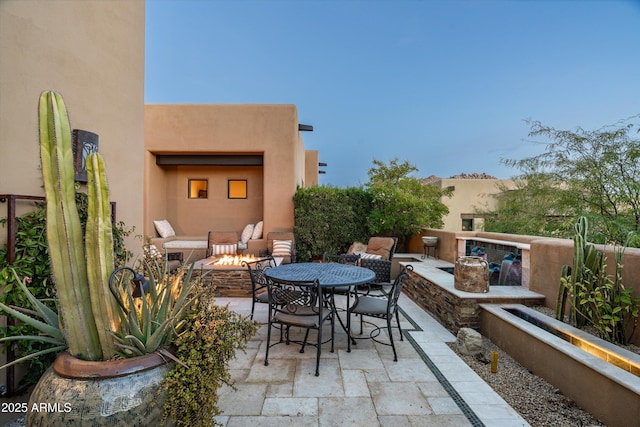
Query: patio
(429, 385)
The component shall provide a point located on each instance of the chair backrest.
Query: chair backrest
(282, 236)
(224, 240)
(396, 289)
(295, 297)
(383, 246)
(256, 272)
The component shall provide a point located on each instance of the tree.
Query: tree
(531, 208)
(595, 174)
(402, 205)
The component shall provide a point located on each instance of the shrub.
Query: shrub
(329, 219)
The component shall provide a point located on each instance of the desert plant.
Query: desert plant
(209, 340)
(596, 298)
(41, 318)
(152, 320)
(81, 270)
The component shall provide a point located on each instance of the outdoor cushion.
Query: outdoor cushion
(381, 246)
(185, 244)
(246, 234)
(164, 229)
(282, 247)
(257, 230)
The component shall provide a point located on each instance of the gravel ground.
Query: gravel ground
(537, 401)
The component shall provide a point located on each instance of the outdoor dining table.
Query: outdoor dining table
(330, 275)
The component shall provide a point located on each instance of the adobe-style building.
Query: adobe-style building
(92, 52)
(220, 167)
(469, 198)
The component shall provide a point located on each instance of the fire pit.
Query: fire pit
(227, 274)
(232, 261)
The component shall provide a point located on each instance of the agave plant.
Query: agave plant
(39, 317)
(150, 320)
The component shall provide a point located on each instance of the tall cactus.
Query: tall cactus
(79, 274)
(99, 251)
(588, 265)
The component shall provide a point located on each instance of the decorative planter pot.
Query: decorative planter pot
(429, 241)
(76, 392)
(471, 274)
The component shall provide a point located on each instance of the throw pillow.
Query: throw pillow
(164, 229)
(257, 231)
(246, 233)
(357, 248)
(282, 248)
(229, 249)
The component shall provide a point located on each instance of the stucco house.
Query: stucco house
(93, 54)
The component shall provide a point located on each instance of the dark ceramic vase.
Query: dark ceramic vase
(76, 392)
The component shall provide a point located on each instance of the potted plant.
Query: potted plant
(117, 336)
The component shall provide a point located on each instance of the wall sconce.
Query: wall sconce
(140, 285)
(305, 128)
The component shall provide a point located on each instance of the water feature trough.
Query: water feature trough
(600, 377)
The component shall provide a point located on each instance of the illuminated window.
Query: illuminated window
(198, 188)
(237, 188)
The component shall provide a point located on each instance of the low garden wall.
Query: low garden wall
(547, 256)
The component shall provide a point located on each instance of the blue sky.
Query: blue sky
(446, 85)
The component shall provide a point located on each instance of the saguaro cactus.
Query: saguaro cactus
(81, 273)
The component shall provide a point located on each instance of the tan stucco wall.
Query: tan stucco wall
(469, 197)
(270, 130)
(311, 168)
(92, 52)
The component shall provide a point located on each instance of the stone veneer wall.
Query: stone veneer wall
(228, 282)
(450, 310)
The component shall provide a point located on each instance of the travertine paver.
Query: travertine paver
(253, 396)
(328, 384)
(360, 359)
(403, 398)
(347, 411)
(354, 383)
(294, 406)
(279, 370)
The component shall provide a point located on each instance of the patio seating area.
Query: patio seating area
(428, 385)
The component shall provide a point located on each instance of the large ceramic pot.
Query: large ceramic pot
(471, 274)
(76, 392)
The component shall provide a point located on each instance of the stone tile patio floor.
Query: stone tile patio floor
(428, 385)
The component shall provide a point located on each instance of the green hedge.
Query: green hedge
(329, 219)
